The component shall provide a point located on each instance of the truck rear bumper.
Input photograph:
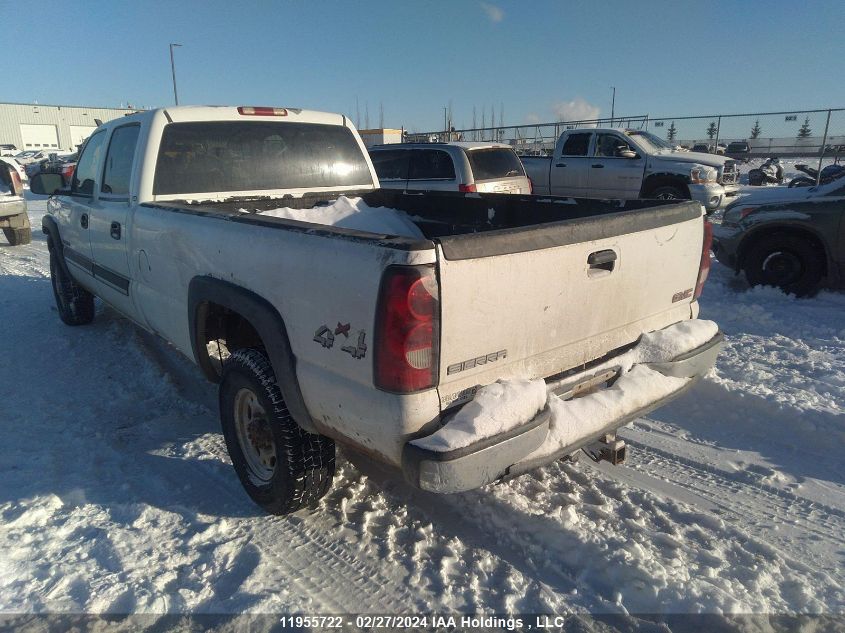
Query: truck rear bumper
(12, 207)
(504, 456)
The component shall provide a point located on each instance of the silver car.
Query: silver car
(458, 166)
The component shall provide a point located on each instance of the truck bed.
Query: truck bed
(453, 218)
(517, 279)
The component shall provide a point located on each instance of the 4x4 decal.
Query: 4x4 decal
(326, 337)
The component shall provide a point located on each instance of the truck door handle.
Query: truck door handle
(83, 220)
(599, 166)
(602, 260)
(560, 164)
(115, 230)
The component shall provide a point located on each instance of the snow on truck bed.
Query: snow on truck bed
(732, 499)
(352, 213)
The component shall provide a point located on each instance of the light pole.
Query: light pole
(613, 106)
(173, 72)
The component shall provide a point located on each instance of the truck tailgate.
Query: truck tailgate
(536, 301)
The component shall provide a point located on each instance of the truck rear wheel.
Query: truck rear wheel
(75, 304)
(282, 467)
(787, 261)
(18, 237)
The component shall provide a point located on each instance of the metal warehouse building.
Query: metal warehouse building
(60, 128)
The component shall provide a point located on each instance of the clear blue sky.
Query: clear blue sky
(664, 57)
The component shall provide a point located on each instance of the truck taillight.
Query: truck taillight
(407, 330)
(704, 266)
(467, 188)
(262, 111)
(17, 185)
(530, 185)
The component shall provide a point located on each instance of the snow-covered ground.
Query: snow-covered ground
(116, 494)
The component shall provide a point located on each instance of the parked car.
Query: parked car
(32, 156)
(738, 150)
(8, 149)
(455, 166)
(13, 216)
(790, 238)
(629, 164)
(702, 148)
(370, 320)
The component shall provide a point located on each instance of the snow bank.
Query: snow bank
(496, 408)
(352, 213)
(507, 404)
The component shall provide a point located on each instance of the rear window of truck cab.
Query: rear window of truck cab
(228, 156)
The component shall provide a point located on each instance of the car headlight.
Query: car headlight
(701, 175)
(734, 215)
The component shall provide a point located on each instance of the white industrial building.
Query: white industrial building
(52, 127)
(381, 136)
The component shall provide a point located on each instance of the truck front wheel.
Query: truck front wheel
(668, 192)
(282, 467)
(75, 304)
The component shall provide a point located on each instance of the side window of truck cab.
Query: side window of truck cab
(576, 144)
(85, 174)
(121, 154)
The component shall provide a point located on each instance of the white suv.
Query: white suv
(467, 167)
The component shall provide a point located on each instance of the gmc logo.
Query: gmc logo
(680, 296)
(475, 362)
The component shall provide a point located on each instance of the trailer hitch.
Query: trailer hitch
(609, 448)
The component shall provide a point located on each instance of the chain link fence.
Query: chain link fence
(796, 134)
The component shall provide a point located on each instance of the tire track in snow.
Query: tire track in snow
(799, 527)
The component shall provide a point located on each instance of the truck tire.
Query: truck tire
(789, 262)
(18, 237)
(668, 192)
(75, 304)
(282, 467)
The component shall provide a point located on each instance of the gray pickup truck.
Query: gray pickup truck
(13, 218)
(624, 164)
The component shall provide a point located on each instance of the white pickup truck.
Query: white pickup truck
(628, 164)
(232, 233)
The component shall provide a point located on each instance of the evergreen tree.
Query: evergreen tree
(711, 130)
(805, 131)
(755, 131)
(671, 133)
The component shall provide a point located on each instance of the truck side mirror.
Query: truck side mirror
(46, 184)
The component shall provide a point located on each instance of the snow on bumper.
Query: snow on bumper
(661, 367)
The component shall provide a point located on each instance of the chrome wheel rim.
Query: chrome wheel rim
(667, 195)
(255, 435)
